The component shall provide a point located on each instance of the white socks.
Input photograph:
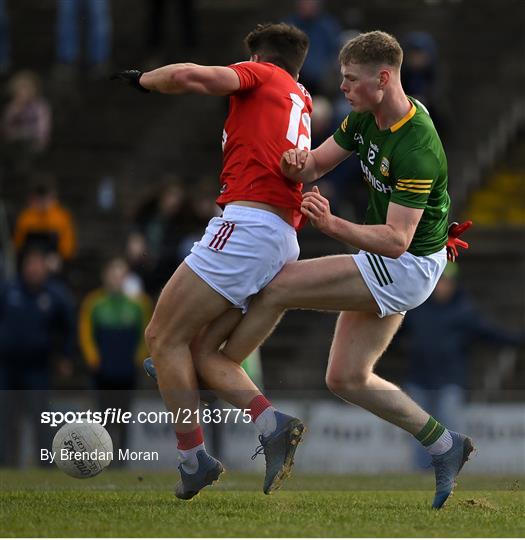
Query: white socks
(188, 458)
(266, 422)
(442, 445)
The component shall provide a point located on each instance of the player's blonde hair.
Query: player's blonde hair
(372, 48)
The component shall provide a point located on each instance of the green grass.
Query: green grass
(122, 503)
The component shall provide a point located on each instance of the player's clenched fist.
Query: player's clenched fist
(317, 209)
(293, 162)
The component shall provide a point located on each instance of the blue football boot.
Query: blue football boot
(208, 472)
(448, 465)
(149, 368)
(279, 450)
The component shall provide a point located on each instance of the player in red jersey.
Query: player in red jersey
(242, 250)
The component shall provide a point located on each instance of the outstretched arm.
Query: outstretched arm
(183, 79)
(191, 78)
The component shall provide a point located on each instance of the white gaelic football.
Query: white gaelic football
(82, 450)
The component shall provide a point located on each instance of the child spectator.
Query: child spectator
(111, 331)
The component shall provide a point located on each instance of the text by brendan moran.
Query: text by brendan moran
(97, 455)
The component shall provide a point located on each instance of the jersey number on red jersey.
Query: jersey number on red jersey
(298, 120)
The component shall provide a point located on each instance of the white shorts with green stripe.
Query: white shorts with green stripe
(398, 285)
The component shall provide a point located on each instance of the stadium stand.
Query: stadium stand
(501, 201)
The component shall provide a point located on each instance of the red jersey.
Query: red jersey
(269, 114)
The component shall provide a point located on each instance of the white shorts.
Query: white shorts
(242, 251)
(398, 285)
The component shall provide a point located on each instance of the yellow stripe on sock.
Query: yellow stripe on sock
(430, 433)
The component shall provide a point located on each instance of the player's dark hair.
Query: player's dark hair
(281, 44)
(372, 48)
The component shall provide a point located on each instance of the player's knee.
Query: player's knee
(150, 336)
(346, 384)
(158, 341)
(335, 383)
(357, 379)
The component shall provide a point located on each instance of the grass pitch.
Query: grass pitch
(131, 504)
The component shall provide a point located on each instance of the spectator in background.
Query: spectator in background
(419, 71)
(111, 330)
(343, 185)
(97, 15)
(5, 44)
(323, 31)
(46, 223)
(26, 125)
(166, 225)
(36, 322)
(323, 120)
(438, 369)
(140, 263)
(157, 35)
(323, 125)
(200, 208)
(162, 221)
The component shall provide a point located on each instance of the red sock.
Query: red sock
(187, 441)
(257, 406)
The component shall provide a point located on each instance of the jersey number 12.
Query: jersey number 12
(302, 140)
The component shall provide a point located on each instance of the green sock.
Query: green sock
(431, 432)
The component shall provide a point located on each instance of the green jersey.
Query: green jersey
(406, 165)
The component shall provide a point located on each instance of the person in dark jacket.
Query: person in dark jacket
(324, 33)
(438, 368)
(36, 324)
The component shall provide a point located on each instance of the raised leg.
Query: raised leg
(326, 284)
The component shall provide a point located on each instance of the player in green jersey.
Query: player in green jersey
(402, 247)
